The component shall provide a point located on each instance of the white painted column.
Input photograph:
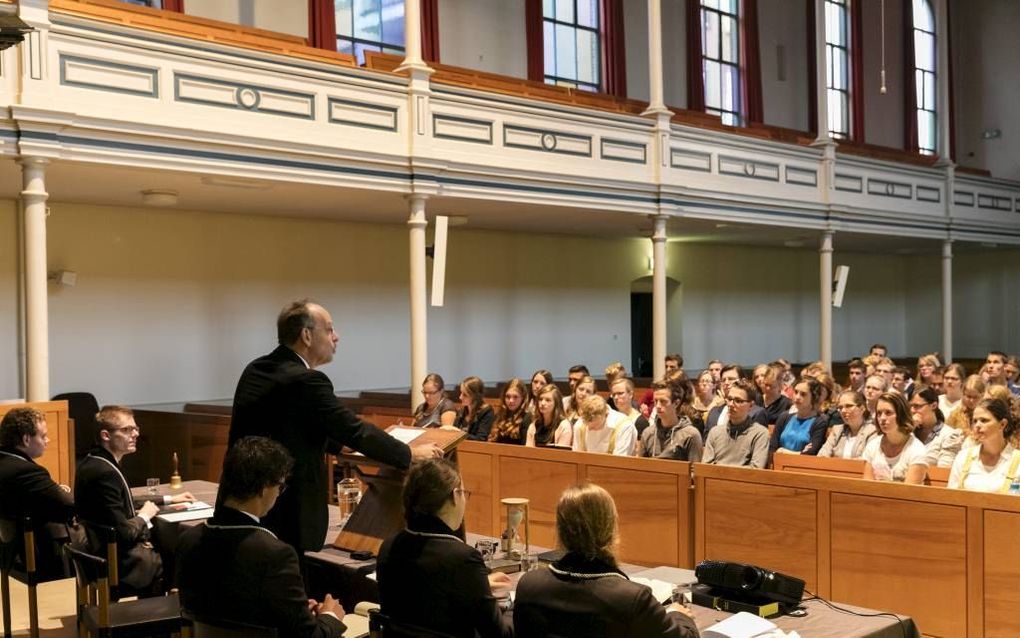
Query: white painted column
(37, 345)
(821, 74)
(942, 144)
(419, 334)
(412, 40)
(656, 103)
(659, 297)
(947, 301)
(825, 300)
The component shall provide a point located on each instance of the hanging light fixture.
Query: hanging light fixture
(882, 89)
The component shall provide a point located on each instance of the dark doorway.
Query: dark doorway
(641, 333)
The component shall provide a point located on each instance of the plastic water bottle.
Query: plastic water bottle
(1014, 487)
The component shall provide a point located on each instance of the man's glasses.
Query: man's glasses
(737, 401)
(128, 429)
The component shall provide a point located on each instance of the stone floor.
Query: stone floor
(56, 609)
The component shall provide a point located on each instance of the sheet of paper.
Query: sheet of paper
(187, 515)
(406, 435)
(662, 590)
(741, 625)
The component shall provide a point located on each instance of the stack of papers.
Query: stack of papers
(189, 512)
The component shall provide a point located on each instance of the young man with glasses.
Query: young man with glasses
(720, 414)
(103, 498)
(622, 393)
(742, 441)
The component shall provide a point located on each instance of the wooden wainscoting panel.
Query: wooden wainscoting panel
(766, 525)
(1002, 574)
(649, 509)
(540, 481)
(882, 548)
(476, 470)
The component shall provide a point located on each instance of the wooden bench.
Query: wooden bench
(806, 464)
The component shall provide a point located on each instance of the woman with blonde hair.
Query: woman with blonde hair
(927, 365)
(512, 418)
(585, 593)
(550, 426)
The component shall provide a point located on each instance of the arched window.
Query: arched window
(571, 31)
(369, 25)
(720, 58)
(925, 87)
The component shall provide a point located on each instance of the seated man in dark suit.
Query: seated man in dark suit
(104, 498)
(233, 568)
(26, 486)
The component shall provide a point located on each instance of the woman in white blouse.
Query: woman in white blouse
(896, 455)
(991, 465)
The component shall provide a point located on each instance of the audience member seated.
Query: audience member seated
(600, 429)
(428, 576)
(437, 409)
(878, 350)
(673, 362)
(1011, 369)
(475, 416)
(768, 381)
(584, 388)
(720, 415)
(874, 386)
(827, 404)
(895, 455)
(995, 368)
(550, 426)
(584, 594)
(232, 568)
(952, 388)
(613, 372)
(848, 439)
(103, 498)
(788, 378)
(26, 486)
(512, 418)
(885, 367)
(674, 435)
(973, 392)
(705, 397)
(741, 441)
(992, 464)
(622, 392)
(856, 373)
(574, 376)
(715, 367)
(941, 441)
(803, 431)
(539, 380)
(901, 381)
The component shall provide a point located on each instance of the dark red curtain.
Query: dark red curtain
(909, 83)
(173, 5)
(695, 74)
(535, 40)
(430, 30)
(321, 24)
(614, 61)
(856, 73)
(812, 68)
(750, 76)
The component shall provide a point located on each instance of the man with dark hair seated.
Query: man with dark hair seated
(26, 486)
(233, 568)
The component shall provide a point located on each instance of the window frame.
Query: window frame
(737, 116)
(844, 51)
(598, 64)
(925, 77)
(374, 45)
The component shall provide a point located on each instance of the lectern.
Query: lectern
(380, 514)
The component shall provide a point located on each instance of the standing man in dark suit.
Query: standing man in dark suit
(104, 498)
(233, 568)
(282, 396)
(26, 486)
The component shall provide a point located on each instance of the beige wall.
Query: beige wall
(273, 15)
(10, 385)
(487, 35)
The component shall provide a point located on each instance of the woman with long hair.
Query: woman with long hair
(993, 463)
(512, 418)
(437, 409)
(895, 455)
(941, 441)
(475, 416)
(927, 365)
(550, 426)
(585, 388)
(539, 380)
(585, 593)
(973, 392)
(848, 439)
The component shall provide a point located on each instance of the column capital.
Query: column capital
(825, 245)
(659, 230)
(947, 249)
(33, 161)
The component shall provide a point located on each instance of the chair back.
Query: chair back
(82, 407)
(382, 626)
(8, 544)
(89, 570)
(17, 540)
(199, 626)
(102, 539)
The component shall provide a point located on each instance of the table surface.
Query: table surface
(820, 621)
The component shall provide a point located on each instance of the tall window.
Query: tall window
(572, 43)
(369, 25)
(924, 75)
(720, 55)
(837, 64)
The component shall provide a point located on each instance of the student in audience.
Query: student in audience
(613, 372)
(1011, 369)
(600, 429)
(512, 418)
(428, 576)
(674, 362)
(585, 593)
(993, 463)
(741, 441)
(896, 454)
(539, 380)
(475, 416)
(674, 435)
(874, 386)
(952, 388)
(622, 393)
(803, 431)
(767, 379)
(584, 388)
(848, 439)
(826, 406)
(901, 381)
(437, 409)
(233, 568)
(575, 374)
(550, 426)
(715, 368)
(935, 382)
(720, 415)
(705, 397)
(885, 368)
(26, 486)
(927, 365)
(870, 362)
(941, 442)
(788, 379)
(857, 373)
(878, 350)
(995, 364)
(973, 391)
(102, 497)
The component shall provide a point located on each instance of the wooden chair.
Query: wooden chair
(382, 626)
(101, 617)
(806, 464)
(18, 538)
(198, 626)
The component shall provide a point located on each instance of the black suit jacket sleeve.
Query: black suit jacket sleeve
(46, 499)
(343, 427)
(653, 621)
(289, 603)
(818, 430)
(474, 577)
(108, 495)
(483, 424)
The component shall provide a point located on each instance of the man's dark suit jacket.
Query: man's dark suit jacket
(28, 490)
(280, 398)
(103, 497)
(431, 578)
(235, 569)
